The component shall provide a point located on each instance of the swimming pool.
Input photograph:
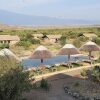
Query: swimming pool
(28, 63)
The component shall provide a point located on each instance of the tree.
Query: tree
(63, 40)
(12, 80)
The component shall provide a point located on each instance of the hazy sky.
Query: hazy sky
(77, 9)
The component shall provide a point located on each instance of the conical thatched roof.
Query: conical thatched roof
(68, 49)
(90, 46)
(7, 53)
(41, 53)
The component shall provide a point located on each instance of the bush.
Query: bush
(80, 34)
(24, 43)
(35, 41)
(95, 73)
(63, 40)
(96, 40)
(44, 84)
(4, 45)
(71, 34)
(98, 60)
(83, 73)
(13, 82)
(83, 39)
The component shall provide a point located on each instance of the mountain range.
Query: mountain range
(11, 18)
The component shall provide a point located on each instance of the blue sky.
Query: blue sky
(77, 9)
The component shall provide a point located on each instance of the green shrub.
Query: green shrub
(95, 73)
(76, 64)
(96, 40)
(44, 84)
(80, 34)
(4, 45)
(83, 39)
(24, 43)
(35, 41)
(72, 34)
(83, 73)
(98, 60)
(13, 82)
(63, 40)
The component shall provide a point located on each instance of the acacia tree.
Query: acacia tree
(12, 80)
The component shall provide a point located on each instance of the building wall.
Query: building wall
(10, 42)
(13, 42)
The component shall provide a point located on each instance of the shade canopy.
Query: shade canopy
(7, 53)
(68, 49)
(41, 53)
(90, 46)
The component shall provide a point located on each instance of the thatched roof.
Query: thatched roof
(7, 53)
(41, 53)
(9, 37)
(54, 36)
(37, 35)
(90, 46)
(68, 49)
(89, 35)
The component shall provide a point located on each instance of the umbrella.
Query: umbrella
(90, 46)
(41, 53)
(68, 49)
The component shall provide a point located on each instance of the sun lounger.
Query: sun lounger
(57, 65)
(68, 64)
(48, 66)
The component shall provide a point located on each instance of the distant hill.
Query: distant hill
(11, 18)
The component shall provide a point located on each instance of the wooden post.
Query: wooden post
(69, 60)
(41, 60)
(89, 55)
(68, 57)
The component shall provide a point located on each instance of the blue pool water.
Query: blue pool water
(28, 63)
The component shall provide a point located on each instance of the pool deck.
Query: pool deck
(71, 72)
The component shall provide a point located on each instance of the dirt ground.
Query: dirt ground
(57, 83)
(56, 91)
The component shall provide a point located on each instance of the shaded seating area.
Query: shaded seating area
(70, 51)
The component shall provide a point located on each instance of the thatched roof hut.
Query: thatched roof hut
(7, 53)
